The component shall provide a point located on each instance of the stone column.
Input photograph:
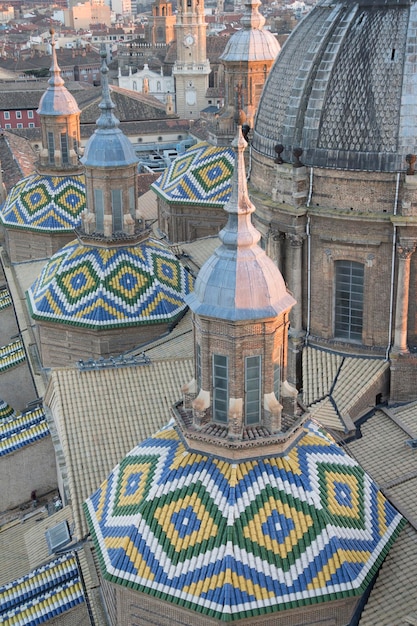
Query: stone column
(293, 273)
(404, 249)
(275, 245)
(294, 267)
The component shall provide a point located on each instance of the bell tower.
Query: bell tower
(192, 68)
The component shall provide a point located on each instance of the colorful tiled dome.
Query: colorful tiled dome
(202, 174)
(238, 539)
(100, 287)
(45, 203)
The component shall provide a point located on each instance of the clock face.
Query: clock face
(188, 40)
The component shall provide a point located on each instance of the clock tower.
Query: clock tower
(192, 68)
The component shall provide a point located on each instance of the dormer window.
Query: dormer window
(220, 388)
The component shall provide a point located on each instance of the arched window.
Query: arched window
(99, 210)
(158, 85)
(252, 390)
(51, 148)
(349, 278)
(64, 148)
(132, 205)
(135, 86)
(220, 388)
(117, 211)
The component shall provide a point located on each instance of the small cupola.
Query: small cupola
(239, 397)
(111, 174)
(60, 123)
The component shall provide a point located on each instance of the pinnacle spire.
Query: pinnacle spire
(251, 17)
(55, 79)
(239, 232)
(107, 118)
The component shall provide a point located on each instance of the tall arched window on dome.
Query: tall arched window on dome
(99, 210)
(51, 148)
(64, 148)
(349, 279)
(252, 390)
(117, 210)
(220, 388)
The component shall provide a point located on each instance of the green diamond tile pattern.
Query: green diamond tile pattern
(234, 540)
(45, 203)
(110, 287)
(202, 174)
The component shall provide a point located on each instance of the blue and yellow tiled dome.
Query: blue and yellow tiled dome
(237, 539)
(100, 287)
(202, 174)
(45, 203)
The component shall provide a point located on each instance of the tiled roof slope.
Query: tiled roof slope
(101, 415)
(394, 595)
(178, 344)
(333, 384)
(12, 354)
(5, 299)
(44, 593)
(19, 431)
(45, 203)
(96, 287)
(17, 158)
(233, 540)
(383, 451)
(202, 174)
(6, 411)
(130, 106)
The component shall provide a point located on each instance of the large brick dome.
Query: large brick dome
(343, 88)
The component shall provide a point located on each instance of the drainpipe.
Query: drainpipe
(308, 235)
(394, 243)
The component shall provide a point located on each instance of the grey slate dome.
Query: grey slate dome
(344, 88)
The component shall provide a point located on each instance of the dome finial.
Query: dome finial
(251, 17)
(239, 201)
(107, 119)
(56, 79)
